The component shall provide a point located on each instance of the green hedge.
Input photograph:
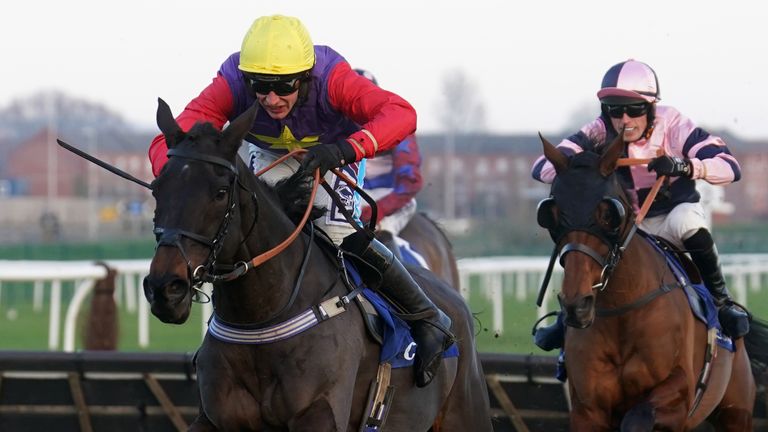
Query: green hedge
(118, 249)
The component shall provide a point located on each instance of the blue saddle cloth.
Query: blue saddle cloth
(398, 347)
(701, 301)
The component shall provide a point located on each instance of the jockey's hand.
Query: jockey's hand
(327, 156)
(670, 166)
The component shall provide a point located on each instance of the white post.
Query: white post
(37, 296)
(84, 288)
(119, 288)
(143, 307)
(464, 288)
(496, 285)
(131, 295)
(55, 315)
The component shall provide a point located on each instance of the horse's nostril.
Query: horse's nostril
(585, 305)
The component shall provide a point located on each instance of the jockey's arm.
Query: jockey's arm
(406, 171)
(708, 154)
(214, 105)
(385, 118)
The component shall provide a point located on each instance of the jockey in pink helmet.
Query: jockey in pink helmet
(629, 94)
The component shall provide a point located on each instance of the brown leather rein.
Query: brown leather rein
(611, 261)
(243, 267)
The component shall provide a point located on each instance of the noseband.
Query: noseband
(608, 263)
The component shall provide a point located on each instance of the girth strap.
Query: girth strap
(311, 317)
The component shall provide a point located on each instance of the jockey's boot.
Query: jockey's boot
(733, 317)
(388, 239)
(552, 336)
(430, 327)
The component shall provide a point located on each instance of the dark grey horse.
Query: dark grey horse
(212, 216)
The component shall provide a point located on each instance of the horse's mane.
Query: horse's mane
(439, 228)
(293, 193)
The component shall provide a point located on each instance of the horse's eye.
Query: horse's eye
(221, 194)
(611, 214)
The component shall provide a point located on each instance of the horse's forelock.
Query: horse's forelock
(202, 134)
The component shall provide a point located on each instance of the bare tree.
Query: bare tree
(461, 110)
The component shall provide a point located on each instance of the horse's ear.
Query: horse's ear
(554, 156)
(167, 123)
(611, 155)
(235, 132)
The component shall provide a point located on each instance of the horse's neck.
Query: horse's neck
(268, 287)
(640, 270)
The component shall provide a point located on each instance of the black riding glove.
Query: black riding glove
(670, 166)
(328, 156)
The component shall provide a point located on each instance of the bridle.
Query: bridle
(616, 244)
(205, 272)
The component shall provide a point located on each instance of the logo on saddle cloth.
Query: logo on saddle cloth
(699, 299)
(397, 347)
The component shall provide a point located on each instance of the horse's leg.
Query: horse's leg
(734, 413)
(589, 419)
(316, 417)
(225, 392)
(664, 409)
(202, 424)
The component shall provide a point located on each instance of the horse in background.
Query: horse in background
(428, 239)
(637, 357)
(285, 349)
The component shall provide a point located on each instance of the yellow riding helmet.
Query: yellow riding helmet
(277, 45)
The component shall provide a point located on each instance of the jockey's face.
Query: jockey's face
(278, 107)
(633, 126)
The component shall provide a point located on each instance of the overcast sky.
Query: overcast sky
(534, 64)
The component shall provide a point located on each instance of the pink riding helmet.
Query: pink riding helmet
(630, 79)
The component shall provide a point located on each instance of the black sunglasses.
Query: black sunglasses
(632, 110)
(281, 88)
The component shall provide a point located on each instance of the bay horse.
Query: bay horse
(637, 358)
(286, 355)
(427, 238)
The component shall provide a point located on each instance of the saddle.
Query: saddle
(381, 317)
(687, 274)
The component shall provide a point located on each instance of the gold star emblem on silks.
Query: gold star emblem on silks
(286, 140)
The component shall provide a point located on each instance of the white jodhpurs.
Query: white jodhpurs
(333, 222)
(678, 225)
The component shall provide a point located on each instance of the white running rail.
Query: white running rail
(493, 277)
